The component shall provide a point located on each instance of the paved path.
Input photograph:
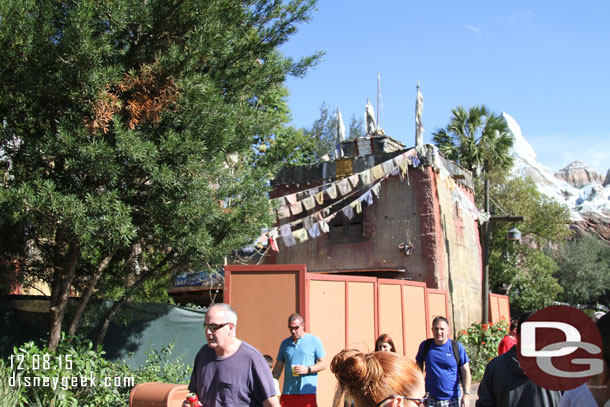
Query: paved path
(474, 387)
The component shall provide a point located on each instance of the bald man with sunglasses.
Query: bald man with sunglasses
(227, 370)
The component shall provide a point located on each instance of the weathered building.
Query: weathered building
(384, 211)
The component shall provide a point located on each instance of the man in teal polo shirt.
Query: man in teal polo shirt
(301, 357)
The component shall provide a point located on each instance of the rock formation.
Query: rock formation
(578, 175)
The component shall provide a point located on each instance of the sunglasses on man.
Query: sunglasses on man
(214, 327)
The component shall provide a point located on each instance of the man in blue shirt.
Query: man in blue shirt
(442, 370)
(301, 357)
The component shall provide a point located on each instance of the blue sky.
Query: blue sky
(547, 64)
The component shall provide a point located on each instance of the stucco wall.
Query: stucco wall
(461, 263)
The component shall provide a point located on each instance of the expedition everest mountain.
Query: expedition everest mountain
(582, 189)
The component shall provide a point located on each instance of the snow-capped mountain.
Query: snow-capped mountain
(579, 187)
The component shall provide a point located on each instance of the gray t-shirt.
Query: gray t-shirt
(242, 379)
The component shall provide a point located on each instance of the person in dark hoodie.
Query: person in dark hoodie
(505, 384)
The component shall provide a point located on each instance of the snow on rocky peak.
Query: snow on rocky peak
(584, 194)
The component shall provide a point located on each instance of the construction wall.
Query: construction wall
(499, 308)
(343, 311)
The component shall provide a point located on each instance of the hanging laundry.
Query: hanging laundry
(344, 187)
(296, 208)
(281, 201)
(302, 195)
(308, 222)
(283, 212)
(357, 205)
(415, 161)
(273, 232)
(320, 198)
(348, 211)
(318, 216)
(377, 172)
(387, 166)
(353, 180)
(324, 226)
(291, 199)
(395, 171)
(309, 203)
(404, 166)
(287, 235)
(273, 244)
(314, 231)
(366, 177)
(331, 191)
(367, 197)
(300, 235)
(376, 189)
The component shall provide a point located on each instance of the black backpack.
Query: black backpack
(456, 353)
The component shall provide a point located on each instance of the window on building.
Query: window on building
(343, 230)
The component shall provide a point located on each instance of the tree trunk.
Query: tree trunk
(88, 293)
(105, 323)
(59, 301)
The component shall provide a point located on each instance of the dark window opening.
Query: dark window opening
(343, 230)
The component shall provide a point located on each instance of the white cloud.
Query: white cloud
(472, 28)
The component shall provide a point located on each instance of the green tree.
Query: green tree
(320, 139)
(524, 271)
(129, 134)
(356, 127)
(478, 139)
(584, 271)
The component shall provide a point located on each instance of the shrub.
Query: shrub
(71, 370)
(481, 342)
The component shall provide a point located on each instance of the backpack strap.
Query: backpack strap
(456, 355)
(427, 344)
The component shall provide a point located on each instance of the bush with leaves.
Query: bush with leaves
(481, 342)
(78, 359)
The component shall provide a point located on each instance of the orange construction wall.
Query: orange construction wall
(343, 311)
(437, 305)
(263, 299)
(499, 308)
(414, 318)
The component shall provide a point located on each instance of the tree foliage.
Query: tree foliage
(478, 139)
(525, 272)
(129, 135)
(583, 271)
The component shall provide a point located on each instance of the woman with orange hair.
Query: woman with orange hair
(378, 379)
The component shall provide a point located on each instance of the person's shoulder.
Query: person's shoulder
(246, 347)
(286, 341)
(459, 344)
(313, 337)
(205, 352)
(250, 351)
(424, 343)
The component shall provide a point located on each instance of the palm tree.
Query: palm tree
(478, 139)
